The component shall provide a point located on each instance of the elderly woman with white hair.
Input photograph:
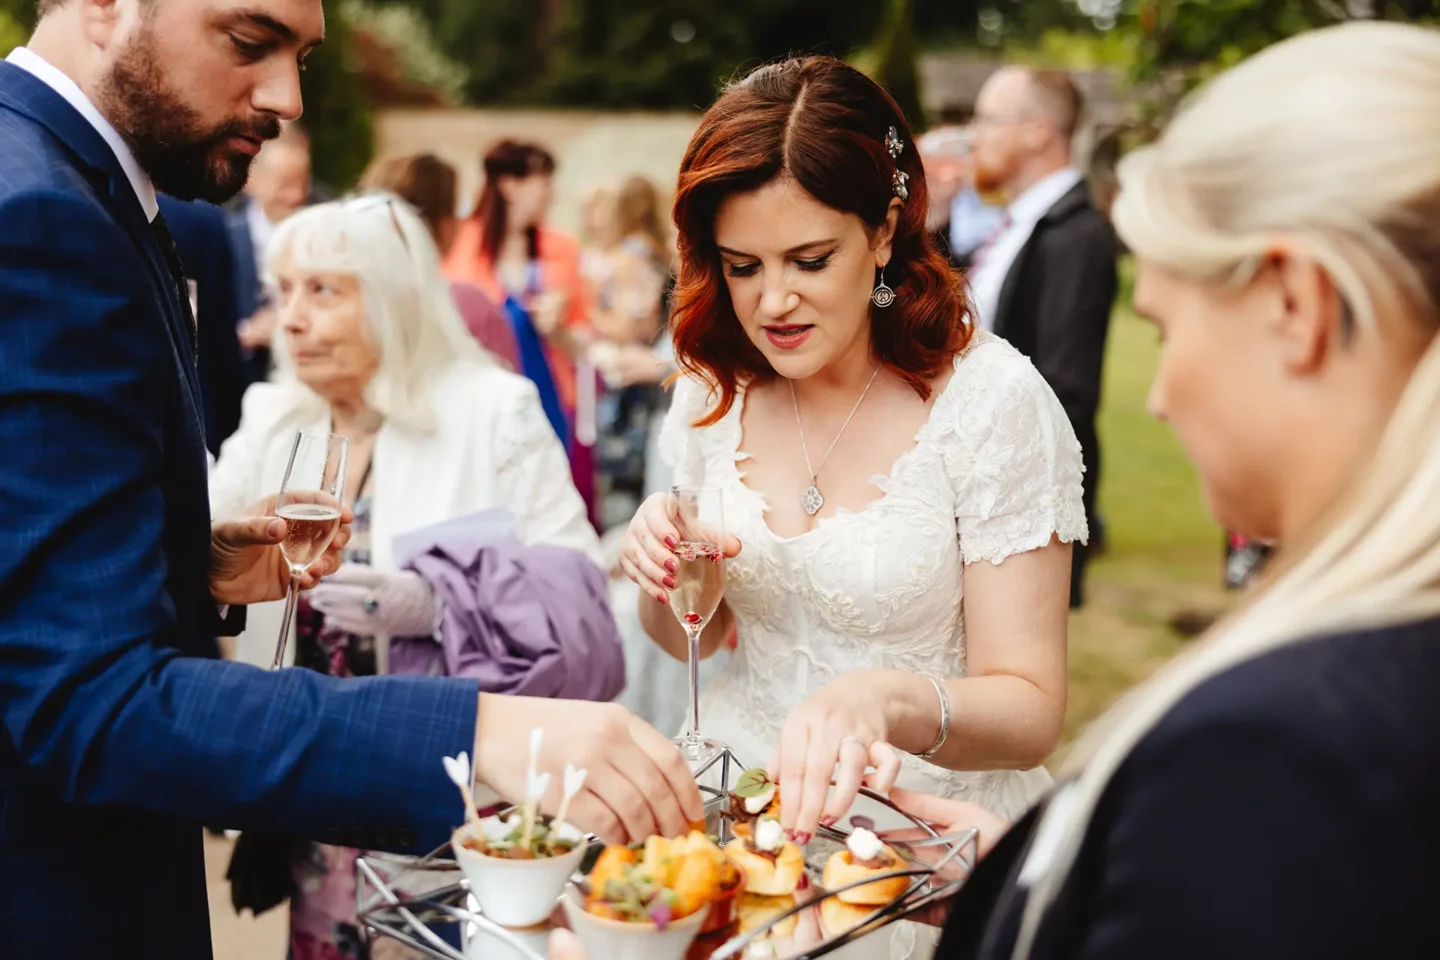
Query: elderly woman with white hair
(470, 552)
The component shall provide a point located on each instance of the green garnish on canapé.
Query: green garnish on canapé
(753, 783)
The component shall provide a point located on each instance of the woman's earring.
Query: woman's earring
(883, 295)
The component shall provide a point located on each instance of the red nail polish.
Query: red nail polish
(827, 821)
(671, 565)
(803, 839)
(669, 582)
(671, 542)
(661, 598)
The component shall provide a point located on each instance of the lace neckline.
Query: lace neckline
(883, 481)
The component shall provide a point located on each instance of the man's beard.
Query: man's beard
(988, 178)
(170, 142)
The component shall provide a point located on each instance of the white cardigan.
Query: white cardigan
(492, 447)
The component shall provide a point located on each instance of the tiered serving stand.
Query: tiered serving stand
(444, 923)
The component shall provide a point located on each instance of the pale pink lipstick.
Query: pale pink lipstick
(788, 336)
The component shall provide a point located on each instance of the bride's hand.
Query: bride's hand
(647, 554)
(842, 725)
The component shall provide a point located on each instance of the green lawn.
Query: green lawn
(1164, 554)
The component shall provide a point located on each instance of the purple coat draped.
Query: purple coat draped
(532, 621)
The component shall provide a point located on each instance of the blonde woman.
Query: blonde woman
(1275, 793)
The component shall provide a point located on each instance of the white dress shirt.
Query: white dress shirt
(261, 230)
(987, 277)
(42, 70)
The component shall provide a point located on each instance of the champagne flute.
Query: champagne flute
(310, 501)
(699, 516)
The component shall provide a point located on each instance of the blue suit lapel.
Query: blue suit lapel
(27, 95)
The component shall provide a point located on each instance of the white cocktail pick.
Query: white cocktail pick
(574, 782)
(533, 780)
(458, 769)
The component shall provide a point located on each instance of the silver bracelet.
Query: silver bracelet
(944, 733)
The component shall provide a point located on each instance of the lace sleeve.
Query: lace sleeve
(679, 440)
(534, 476)
(1020, 483)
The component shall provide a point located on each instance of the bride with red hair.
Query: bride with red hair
(882, 459)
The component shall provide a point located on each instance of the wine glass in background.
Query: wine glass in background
(310, 500)
(699, 516)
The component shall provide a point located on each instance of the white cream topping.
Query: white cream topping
(769, 836)
(567, 832)
(757, 805)
(864, 845)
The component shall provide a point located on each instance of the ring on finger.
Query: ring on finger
(844, 741)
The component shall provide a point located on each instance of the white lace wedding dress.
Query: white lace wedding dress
(995, 471)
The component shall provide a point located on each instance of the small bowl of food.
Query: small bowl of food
(651, 901)
(516, 878)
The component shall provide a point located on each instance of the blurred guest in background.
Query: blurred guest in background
(427, 183)
(375, 350)
(1045, 279)
(630, 277)
(534, 272)
(958, 218)
(279, 185)
(204, 246)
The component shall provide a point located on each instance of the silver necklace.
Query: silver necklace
(811, 499)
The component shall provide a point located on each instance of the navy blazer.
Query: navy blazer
(249, 288)
(116, 740)
(1289, 807)
(242, 250)
(1055, 308)
(203, 240)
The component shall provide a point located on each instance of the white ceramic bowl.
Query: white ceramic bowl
(604, 938)
(482, 945)
(516, 893)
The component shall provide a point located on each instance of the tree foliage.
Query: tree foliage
(895, 67)
(1176, 45)
(12, 34)
(662, 53)
(337, 117)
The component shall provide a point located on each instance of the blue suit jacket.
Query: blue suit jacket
(203, 239)
(116, 742)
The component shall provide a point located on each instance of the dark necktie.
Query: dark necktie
(177, 270)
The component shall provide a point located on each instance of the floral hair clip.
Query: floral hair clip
(900, 180)
(894, 144)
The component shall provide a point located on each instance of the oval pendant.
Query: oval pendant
(811, 500)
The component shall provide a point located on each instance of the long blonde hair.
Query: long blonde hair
(1331, 139)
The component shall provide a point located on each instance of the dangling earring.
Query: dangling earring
(883, 295)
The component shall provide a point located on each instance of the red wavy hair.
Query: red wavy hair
(822, 122)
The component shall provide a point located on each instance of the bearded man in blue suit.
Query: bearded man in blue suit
(117, 737)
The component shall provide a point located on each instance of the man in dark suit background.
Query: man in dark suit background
(204, 246)
(117, 736)
(1046, 278)
(279, 184)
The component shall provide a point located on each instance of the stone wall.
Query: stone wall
(594, 148)
(591, 148)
